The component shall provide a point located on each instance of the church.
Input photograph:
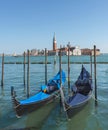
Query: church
(64, 50)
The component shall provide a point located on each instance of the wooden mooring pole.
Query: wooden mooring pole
(61, 87)
(91, 63)
(45, 66)
(95, 80)
(24, 70)
(60, 75)
(68, 70)
(28, 76)
(2, 80)
(60, 68)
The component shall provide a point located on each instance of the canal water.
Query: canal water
(52, 116)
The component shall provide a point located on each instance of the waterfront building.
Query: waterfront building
(34, 52)
(52, 53)
(87, 51)
(54, 50)
(77, 51)
(74, 50)
(54, 43)
(97, 51)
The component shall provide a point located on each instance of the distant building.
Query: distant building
(54, 50)
(73, 50)
(70, 53)
(54, 43)
(14, 54)
(77, 51)
(97, 51)
(34, 52)
(63, 50)
(52, 53)
(87, 51)
(41, 52)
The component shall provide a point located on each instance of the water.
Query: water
(52, 116)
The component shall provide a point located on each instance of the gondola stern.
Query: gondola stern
(13, 95)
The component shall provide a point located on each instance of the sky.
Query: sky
(31, 24)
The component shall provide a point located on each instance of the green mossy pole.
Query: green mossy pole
(28, 76)
(95, 80)
(24, 70)
(68, 70)
(45, 66)
(91, 62)
(2, 80)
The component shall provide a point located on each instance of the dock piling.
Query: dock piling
(2, 80)
(68, 70)
(91, 63)
(24, 70)
(60, 68)
(45, 66)
(60, 74)
(95, 80)
(28, 76)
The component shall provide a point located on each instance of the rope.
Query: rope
(68, 108)
(16, 106)
(93, 96)
(56, 95)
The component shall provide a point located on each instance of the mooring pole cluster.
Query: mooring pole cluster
(60, 68)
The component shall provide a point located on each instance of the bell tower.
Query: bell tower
(54, 43)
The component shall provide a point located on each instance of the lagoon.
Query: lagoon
(52, 116)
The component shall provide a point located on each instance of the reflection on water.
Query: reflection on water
(31, 121)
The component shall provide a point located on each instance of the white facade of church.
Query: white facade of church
(77, 51)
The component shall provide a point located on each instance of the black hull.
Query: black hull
(24, 109)
(82, 92)
(73, 110)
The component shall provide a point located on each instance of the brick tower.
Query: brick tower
(54, 43)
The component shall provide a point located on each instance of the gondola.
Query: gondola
(47, 94)
(81, 93)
